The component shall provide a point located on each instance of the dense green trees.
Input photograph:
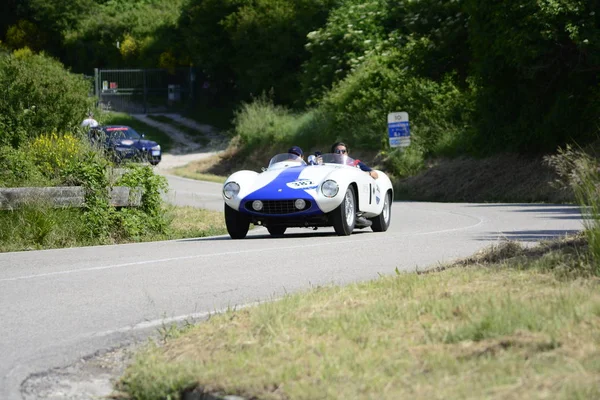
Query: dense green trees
(490, 76)
(537, 66)
(252, 46)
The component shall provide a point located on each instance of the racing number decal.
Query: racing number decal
(301, 184)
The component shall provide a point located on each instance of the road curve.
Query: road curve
(57, 306)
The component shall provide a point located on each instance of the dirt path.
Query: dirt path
(186, 148)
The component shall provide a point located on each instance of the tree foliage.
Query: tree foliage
(536, 65)
(255, 46)
(525, 73)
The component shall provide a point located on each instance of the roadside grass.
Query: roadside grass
(38, 227)
(199, 170)
(509, 323)
(152, 133)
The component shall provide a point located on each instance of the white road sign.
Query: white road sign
(398, 129)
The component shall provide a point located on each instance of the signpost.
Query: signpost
(398, 129)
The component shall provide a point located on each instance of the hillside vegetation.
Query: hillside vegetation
(491, 81)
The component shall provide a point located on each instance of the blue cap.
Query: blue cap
(296, 150)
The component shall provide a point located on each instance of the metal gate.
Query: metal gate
(142, 91)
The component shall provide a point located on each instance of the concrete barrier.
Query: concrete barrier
(64, 196)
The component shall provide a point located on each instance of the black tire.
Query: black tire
(237, 223)
(344, 217)
(381, 223)
(276, 230)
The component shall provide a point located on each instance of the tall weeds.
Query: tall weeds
(579, 171)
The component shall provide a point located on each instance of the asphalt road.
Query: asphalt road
(57, 306)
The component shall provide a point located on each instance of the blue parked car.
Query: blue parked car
(124, 143)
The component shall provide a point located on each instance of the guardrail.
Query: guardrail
(64, 196)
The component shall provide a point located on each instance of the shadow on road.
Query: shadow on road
(554, 211)
(308, 234)
(528, 236)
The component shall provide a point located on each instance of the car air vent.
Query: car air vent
(278, 207)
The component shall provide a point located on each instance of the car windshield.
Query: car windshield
(331, 158)
(285, 160)
(121, 132)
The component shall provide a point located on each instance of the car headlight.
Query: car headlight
(157, 147)
(330, 188)
(231, 189)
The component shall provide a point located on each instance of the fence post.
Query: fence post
(145, 93)
(96, 83)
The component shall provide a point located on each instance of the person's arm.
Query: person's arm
(373, 174)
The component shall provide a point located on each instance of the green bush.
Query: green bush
(18, 169)
(151, 216)
(262, 124)
(39, 96)
(438, 111)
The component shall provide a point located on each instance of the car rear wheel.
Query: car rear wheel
(276, 230)
(382, 222)
(236, 222)
(344, 217)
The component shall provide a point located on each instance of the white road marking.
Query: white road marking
(165, 321)
(279, 249)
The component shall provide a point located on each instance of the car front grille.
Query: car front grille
(278, 207)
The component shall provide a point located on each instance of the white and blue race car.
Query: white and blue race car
(291, 193)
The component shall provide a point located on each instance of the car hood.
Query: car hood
(287, 182)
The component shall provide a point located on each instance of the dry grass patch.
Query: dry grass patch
(500, 178)
(193, 222)
(198, 170)
(465, 332)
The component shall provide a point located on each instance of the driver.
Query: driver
(341, 148)
(296, 151)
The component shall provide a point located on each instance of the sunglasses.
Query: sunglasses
(338, 151)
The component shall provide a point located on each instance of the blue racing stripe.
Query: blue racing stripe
(278, 189)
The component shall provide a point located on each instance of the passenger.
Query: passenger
(341, 148)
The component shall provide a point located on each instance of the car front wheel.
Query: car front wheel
(382, 222)
(344, 217)
(236, 222)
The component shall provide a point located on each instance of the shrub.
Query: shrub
(438, 111)
(39, 96)
(54, 154)
(261, 123)
(18, 169)
(151, 216)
